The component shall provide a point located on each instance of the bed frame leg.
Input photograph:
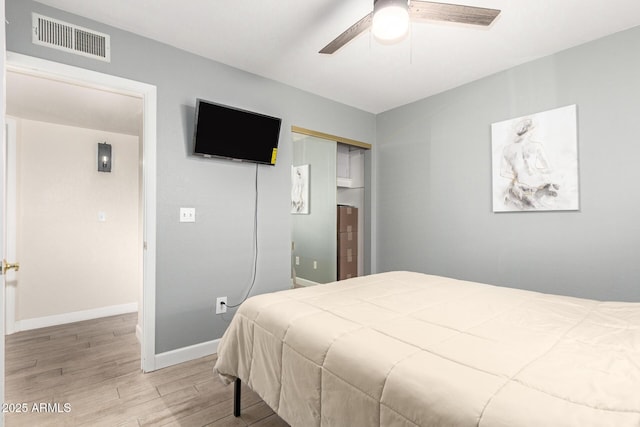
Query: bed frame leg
(236, 397)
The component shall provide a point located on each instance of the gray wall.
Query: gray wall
(198, 262)
(433, 173)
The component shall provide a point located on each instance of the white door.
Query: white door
(2, 103)
(9, 225)
(7, 237)
(2, 216)
(7, 234)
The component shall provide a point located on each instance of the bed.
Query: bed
(409, 349)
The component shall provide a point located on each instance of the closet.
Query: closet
(327, 171)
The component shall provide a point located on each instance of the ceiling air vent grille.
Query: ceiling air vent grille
(70, 38)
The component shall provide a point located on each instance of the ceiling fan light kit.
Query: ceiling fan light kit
(400, 12)
(390, 19)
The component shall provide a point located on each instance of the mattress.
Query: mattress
(409, 349)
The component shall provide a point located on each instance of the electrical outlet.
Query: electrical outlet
(315, 265)
(221, 305)
(187, 214)
(297, 260)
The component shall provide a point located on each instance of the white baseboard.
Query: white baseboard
(305, 282)
(186, 354)
(76, 316)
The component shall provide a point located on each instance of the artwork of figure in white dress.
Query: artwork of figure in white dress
(300, 189)
(535, 162)
(526, 165)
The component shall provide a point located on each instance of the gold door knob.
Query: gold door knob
(9, 266)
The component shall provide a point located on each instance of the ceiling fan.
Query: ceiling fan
(390, 19)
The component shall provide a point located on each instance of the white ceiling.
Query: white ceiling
(280, 39)
(42, 99)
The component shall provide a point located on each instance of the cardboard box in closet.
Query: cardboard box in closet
(347, 242)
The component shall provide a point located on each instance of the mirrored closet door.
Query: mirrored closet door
(327, 171)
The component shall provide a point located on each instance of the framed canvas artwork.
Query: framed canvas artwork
(535, 162)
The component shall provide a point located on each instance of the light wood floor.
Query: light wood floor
(94, 368)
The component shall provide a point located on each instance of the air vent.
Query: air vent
(70, 38)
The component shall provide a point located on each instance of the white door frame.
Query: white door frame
(40, 67)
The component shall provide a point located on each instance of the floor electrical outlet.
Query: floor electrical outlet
(221, 305)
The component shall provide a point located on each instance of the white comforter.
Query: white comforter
(407, 349)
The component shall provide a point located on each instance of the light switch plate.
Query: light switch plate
(187, 214)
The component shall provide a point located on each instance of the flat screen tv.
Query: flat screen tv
(232, 133)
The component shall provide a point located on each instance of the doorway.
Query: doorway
(147, 94)
(70, 217)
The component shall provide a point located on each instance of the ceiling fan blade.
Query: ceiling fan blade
(348, 35)
(452, 13)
